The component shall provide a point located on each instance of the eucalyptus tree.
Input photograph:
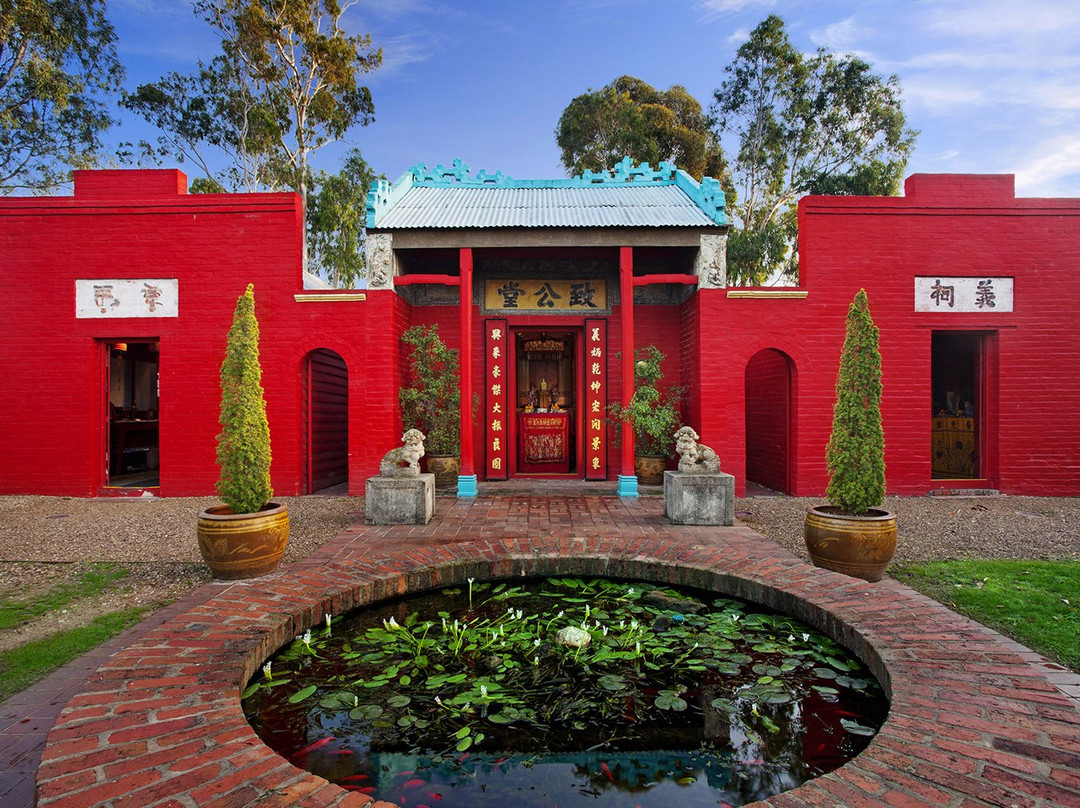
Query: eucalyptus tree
(58, 65)
(801, 124)
(298, 62)
(336, 216)
(286, 83)
(632, 118)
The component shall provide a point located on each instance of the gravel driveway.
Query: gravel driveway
(46, 541)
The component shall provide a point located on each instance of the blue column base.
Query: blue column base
(466, 486)
(627, 486)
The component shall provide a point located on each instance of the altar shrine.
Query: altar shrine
(119, 298)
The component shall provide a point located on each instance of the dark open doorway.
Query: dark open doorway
(133, 458)
(959, 406)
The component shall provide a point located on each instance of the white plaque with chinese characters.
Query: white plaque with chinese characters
(943, 293)
(127, 297)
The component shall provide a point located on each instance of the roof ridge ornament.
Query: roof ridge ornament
(707, 195)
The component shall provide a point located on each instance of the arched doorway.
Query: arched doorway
(769, 381)
(326, 420)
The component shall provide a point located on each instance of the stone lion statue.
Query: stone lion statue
(409, 455)
(695, 458)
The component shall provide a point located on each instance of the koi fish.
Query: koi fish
(416, 781)
(435, 795)
(360, 789)
(352, 777)
(607, 772)
(317, 745)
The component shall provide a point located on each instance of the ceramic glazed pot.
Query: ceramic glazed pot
(861, 546)
(649, 469)
(445, 468)
(243, 545)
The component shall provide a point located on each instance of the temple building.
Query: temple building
(120, 296)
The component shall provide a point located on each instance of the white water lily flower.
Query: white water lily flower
(536, 660)
(560, 614)
(630, 591)
(536, 642)
(470, 580)
(483, 691)
(307, 637)
(604, 629)
(806, 637)
(329, 618)
(355, 701)
(438, 701)
(266, 670)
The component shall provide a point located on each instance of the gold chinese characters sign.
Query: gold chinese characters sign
(595, 399)
(589, 297)
(495, 370)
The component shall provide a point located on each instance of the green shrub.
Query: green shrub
(243, 450)
(432, 401)
(652, 414)
(855, 455)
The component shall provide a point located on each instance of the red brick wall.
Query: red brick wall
(140, 224)
(960, 226)
(768, 419)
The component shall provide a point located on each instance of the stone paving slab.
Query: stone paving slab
(975, 720)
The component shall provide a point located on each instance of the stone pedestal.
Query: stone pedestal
(699, 499)
(399, 500)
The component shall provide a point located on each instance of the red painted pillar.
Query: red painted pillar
(627, 476)
(467, 474)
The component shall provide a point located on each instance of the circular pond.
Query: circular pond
(564, 692)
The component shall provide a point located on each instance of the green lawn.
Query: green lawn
(1037, 603)
(22, 666)
(96, 579)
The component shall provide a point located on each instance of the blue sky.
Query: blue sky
(993, 86)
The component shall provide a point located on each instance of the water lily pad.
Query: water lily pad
(302, 694)
(365, 712)
(855, 728)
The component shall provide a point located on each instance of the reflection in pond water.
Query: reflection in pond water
(565, 692)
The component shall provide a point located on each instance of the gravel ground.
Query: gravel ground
(47, 541)
(939, 528)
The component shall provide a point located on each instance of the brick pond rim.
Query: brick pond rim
(972, 721)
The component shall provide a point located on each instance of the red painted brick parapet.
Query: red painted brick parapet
(972, 722)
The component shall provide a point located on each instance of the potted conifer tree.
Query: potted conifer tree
(245, 537)
(653, 414)
(432, 401)
(853, 534)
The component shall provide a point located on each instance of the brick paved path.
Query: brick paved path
(975, 720)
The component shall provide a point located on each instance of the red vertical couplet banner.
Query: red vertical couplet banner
(595, 399)
(496, 432)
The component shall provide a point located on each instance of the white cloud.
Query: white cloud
(934, 94)
(400, 52)
(1054, 169)
(712, 9)
(839, 36)
(1005, 19)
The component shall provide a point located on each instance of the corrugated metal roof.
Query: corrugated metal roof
(603, 206)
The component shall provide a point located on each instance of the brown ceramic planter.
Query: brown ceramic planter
(649, 469)
(445, 468)
(243, 545)
(860, 546)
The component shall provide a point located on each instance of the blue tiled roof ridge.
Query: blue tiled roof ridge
(707, 195)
